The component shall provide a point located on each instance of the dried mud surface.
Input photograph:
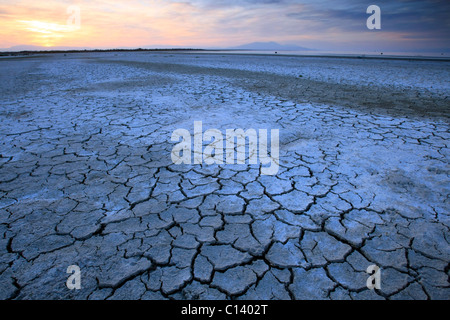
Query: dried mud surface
(86, 178)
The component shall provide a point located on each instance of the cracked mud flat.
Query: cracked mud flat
(86, 178)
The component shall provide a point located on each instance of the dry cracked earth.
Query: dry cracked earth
(86, 178)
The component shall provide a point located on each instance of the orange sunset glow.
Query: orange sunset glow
(325, 25)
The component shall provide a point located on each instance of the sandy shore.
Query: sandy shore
(86, 178)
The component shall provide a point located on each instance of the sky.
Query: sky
(327, 25)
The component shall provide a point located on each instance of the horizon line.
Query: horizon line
(377, 55)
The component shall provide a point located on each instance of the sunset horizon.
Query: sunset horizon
(422, 26)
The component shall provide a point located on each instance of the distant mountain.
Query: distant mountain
(272, 46)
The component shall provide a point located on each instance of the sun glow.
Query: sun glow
(322, 25)
(47, 33)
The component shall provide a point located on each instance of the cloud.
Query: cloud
(212, 23)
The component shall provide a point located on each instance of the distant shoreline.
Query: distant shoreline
(232, 52)
(28, 52)
(324, 55)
